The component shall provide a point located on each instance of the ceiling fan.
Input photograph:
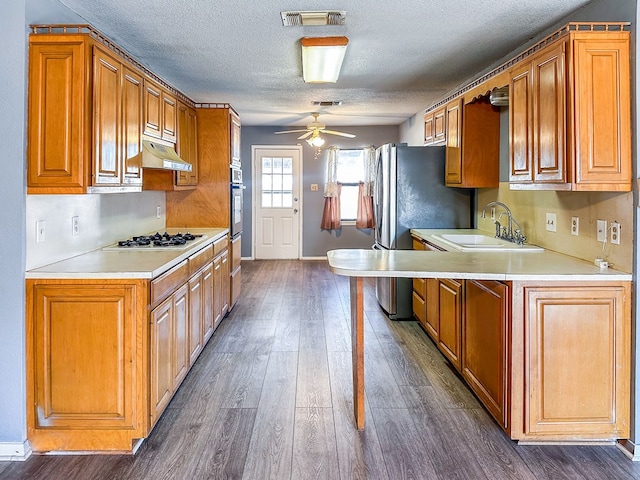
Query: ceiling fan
(313, 131)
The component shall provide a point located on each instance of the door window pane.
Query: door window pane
(277, 182)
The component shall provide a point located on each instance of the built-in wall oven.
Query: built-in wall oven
(236, 200)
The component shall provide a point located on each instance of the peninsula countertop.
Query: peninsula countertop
(505, 266)
(125, 263)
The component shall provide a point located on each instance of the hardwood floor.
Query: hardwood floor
(270, 397)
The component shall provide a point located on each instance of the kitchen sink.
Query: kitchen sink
(469, 242)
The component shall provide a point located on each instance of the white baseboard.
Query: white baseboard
(629, 449)
(14, 452)
(314, 258)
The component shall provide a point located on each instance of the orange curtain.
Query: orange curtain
(331, 212)
(365, 208)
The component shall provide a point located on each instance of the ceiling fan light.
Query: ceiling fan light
(315, 141)
(322, 58)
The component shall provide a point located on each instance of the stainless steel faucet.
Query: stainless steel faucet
(508, 233)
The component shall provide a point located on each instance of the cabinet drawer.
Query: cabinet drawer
(200, 259)
(220, 245)
(419, 286)
(166, 283)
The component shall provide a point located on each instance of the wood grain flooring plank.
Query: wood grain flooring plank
(495, 451)
(247, 336)
(313, 386)
(287, 334)
(359, 452)
(380, 385)
(227, 446)
(243, 386)
(402, 448)
(336, 325)
(314, 445)
(452, 459)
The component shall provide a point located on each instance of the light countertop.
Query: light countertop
(126, 263)
(545, 265)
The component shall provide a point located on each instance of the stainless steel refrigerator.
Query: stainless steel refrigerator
(409, 192)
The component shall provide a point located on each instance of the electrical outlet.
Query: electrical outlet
(158, 211)
(493, 213)
(575, 226)
(551, 222)
(40, 231)
(615, 233)
(75, 226)
(601, 230)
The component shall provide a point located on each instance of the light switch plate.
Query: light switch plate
(314, 187)
(601, 229)
(75, 226)
(40, 231)
(551, 222)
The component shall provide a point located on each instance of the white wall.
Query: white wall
(103, 219)
(12, 217)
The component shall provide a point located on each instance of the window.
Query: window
(350, 172)
(277, 182)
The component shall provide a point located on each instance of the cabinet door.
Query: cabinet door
(225, 291)
(235, 139)
(132, 120)
(207, 303)
(57, 146)
(152, 109)
(419, 290)
(450, 314)
(439, 126)
(549, 116)
(107, 135)
(86, 364)
(453, 166)
(432, 309)
(602, 114)
(521, 124)
(161, 375)
(186, 145)
(429, 132)
(180, 335)
(196, 320)
(485, 345)
(169, 117)
(577, 356)
(217, 291)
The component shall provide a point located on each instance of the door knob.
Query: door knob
(295, 210)
(295, 199)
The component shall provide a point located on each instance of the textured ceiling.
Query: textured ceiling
(402, 55)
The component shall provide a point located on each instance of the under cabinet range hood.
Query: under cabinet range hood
(156, 155)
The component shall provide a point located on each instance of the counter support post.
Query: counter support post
(357, 348)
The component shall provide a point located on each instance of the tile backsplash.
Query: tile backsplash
(102, 220)
(529, 208)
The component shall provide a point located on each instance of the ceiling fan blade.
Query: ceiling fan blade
(302, 137)
(341, 134)
(291, 131)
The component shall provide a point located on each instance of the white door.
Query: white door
(277, 203)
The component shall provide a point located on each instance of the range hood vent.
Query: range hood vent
(156, 155)
(312, 18)
(500, 97)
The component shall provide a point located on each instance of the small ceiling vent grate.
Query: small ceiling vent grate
(309, 18)
(326, 103)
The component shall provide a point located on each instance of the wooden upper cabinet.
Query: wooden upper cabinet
(85, 118)
(453, 168)
(186, 145)
(132, 118)
(59, 118)
(602, 112)
(161, 110)
(429, 132)
(439, 126)
(569, 115)
(107, 119)
(234, 139)
(473, 144)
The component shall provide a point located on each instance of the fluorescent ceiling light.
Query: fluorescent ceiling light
(322, 58)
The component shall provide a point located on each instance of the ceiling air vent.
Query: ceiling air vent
(309, 18)
(326, 103)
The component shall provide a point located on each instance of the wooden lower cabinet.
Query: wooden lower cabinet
(86, 364)
(105, 357)
(486, 345)
(577, 343)
(449, 307)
